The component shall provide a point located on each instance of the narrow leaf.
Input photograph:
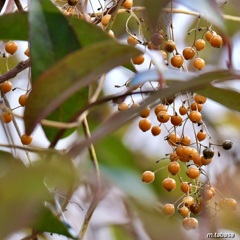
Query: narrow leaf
(69, 75)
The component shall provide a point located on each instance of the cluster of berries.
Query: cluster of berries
(6, 117)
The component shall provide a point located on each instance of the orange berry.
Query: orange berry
(27, 52)
(184, 211)
(145, 112)
(144, 124)
(6, 117)
(188, 201)
(173, 156)
(6, 86)
(190, 223)
(138, 60)
(128, 4)
(201, 135)
(200, 44)
(193, 172)
(132, 41)
(188, 53)
(228, 204)
(183, 110)
(216, 41)
(186, 187)
(11, 47)
(25, 139)
(159, 108)
(105, 19)
(207, 194)
(195, 116)
(169, 184)
(196, 208)
(208, 35)
(169, 46)
(174, 167)
(122, 106)
(199, 99)
(196, 107)
(23, 99)
(168, 209)
(177, 61)
(156, 130)
(173, 139)
(163, 116)
(197, 159)
(148, 177)
(185, 140)
(199, 63)
(176, 120)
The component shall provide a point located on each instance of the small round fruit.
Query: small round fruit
(169, 184)
(207, 194)
(184, 211)
(6, 117)
(174, 167)
(183, 110)
(208, 153)
(216, 41)
(169, 46)
(122, 106)
(173, 139)
(133, 41)
(190, 223)
(186, 187)
(173, 156)
(199, 63)
(188, 201)
(105, 19)
(159, 108)
(23, 100)
(128, 4)
(156, 130)
(168, 209)
(196, 107)
(228, 204)
(163, 116)
(26, 139)
(227, 144)
(144, 113)
(6, 86)
(176, 120)
(200, 44)
(11, 47)
(188, 53)
(195, 116)
(201, 135)
(27, 52)
(144, 124)
(138, 60)
(205, 161)
(73, 2)
(196, 208)
(185, 140)
(199, 99)
(209, 35)
(193, 172)
(177, 61)
(157, 39)
(148, 177)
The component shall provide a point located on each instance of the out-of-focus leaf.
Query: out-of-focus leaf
(14, 26)
(23, 192)
(130, 182)
(48, 222)
(118, 119)
(153, 11)
(69, 75)
(209, 10)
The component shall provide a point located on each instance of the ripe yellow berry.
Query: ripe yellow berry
(26, 139)
(23, 100)
(190, 223)
(105, 19)
(128, 4)
(6, 86)
(199, 63)
(6, 117)
(132, 41)
(138, 60)
(27, 52)
(144, 124)
(11, 47)
(148, 177)
(168, 209)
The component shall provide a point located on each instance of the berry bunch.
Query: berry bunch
(188, 158)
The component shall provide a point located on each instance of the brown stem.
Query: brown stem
(14, 72)
(19, 5)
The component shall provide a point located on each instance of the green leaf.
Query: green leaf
(50, 36)
(48, 222)
(226, 97)
(11, 30)
(72, 73)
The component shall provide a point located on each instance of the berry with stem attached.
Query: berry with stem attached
(11, 47)
(189, 223)
(26, 139)
(6, 86)
(144, 124)
(169, 184)
(148, 177)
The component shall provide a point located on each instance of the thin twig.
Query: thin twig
(14, 71)
(19, 5)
